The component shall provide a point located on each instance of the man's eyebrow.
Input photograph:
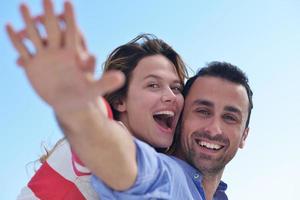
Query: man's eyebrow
(233, 109)
(211, 104)
(203, 102)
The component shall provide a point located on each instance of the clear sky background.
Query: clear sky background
(261, 37)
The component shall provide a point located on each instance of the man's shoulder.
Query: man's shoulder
(152, 162)
(160, 176)
(145, 150)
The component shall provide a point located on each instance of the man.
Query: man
(215, 121)
(214, 125)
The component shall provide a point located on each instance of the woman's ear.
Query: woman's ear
(119, 105)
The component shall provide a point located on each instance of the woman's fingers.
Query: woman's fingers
(72, 36)
(17, 42)
(74, 40)
(82, 41)
(57, 36)
(32, 31)
(109, 82)
(87, 63)
(52, 25)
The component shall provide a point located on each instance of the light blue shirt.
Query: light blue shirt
(160, 177)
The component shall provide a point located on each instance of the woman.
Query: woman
(149, 103)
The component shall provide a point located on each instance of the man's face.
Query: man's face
(213, 123)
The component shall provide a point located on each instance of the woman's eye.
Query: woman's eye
(177, 89)
(153, 85)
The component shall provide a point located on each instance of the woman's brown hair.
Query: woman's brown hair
(126, 57)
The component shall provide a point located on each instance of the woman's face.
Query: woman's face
(154, 101)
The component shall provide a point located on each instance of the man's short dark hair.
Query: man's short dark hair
(225, 71)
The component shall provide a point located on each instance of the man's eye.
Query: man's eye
(230, 118)
(203, 112)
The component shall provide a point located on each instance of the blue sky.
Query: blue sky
(261, 37)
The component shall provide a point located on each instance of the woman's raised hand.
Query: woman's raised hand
(61, 68)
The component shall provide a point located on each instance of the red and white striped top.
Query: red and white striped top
(62, 175)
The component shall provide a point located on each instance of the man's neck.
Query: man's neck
(210, 183)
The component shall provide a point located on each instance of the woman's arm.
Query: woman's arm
(60, 71)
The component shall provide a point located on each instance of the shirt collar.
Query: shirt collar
(196, 175)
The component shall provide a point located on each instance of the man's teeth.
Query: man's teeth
(166, 112)
(209, 145)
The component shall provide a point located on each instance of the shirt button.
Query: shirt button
(196, 176)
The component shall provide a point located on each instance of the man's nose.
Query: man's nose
(214, 126)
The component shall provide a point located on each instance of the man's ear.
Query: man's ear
(119, 105)
(244, 137)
